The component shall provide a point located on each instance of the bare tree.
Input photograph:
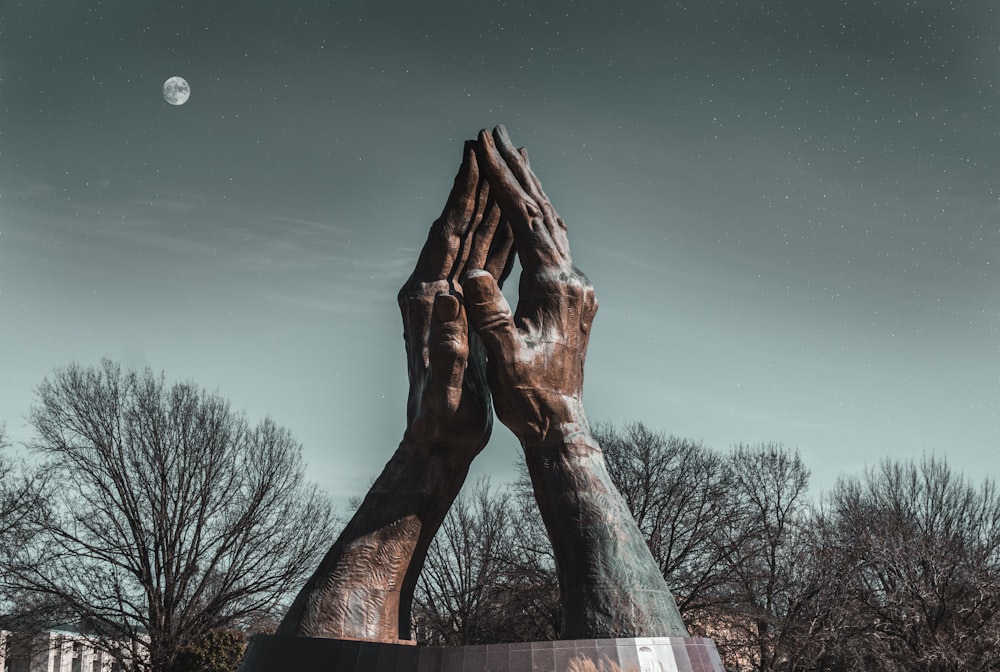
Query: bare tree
(462, 578)
(169, 514)
(534, 599)
(817, 633)
(898, 570)
(770, 582)
(477, 585)
(922, 570)
(20, 496)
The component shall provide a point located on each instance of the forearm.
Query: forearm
(363, 587)
(610, 585)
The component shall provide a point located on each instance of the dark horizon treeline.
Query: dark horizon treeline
(895, 570)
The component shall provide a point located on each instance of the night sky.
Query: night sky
(789, 209)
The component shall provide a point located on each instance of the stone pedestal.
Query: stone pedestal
(268, 653)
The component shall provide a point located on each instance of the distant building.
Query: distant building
(53, 651)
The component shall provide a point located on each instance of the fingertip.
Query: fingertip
(447, 307)
(477, 284)
(467, 176)
(470, 161)
(487, 150)
(469, 153)
(507, 150)
(489, 313)
(500, 137)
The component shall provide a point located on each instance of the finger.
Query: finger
(517, 159)
(487, 218)
(506, 187)
(518, 164)
(502, 253)
(490, 316)
(546, 203)
(462, 199)
(531, 238)
(438, 256)
(538, 188)
(589, 309)
(448, 345)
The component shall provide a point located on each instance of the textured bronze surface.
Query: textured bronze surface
(610, 586)
(533, 358)
(363, 588)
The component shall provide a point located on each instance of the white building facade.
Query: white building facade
(53, 651)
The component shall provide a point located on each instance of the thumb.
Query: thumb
(447, 341)
(490, 314)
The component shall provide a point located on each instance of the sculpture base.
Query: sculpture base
(271, 653)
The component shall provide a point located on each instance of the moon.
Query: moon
(176, 91)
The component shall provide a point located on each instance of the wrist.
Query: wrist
(571, 438)
(551, 421)
(446, 455)
(452, 435)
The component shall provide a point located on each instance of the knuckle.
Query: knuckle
(563, 282)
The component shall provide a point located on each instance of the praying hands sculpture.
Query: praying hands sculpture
(464, 345)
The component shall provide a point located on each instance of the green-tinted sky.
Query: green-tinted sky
(789, 208)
